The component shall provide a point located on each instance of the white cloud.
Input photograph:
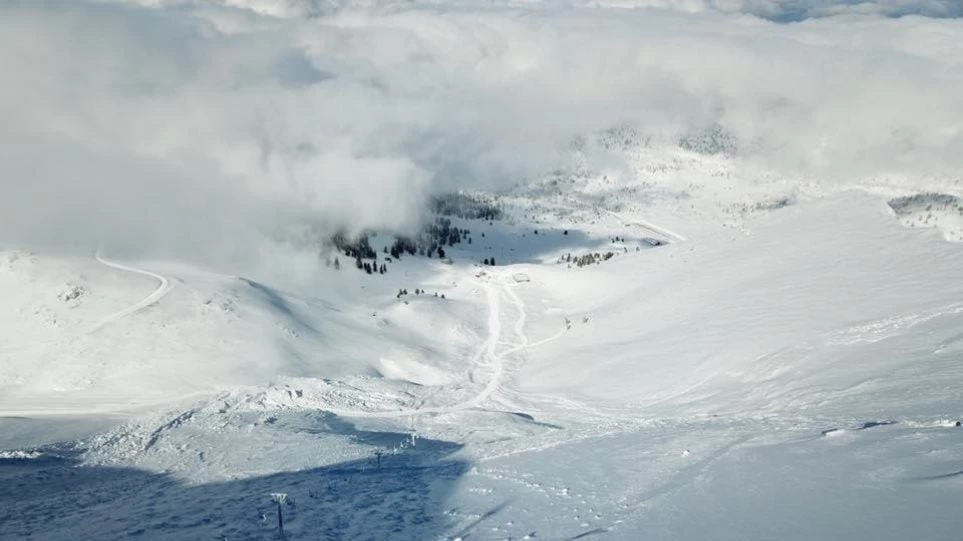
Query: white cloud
(776, 10)
(199, 128)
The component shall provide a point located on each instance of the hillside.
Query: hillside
(808, 357)
(468, 271)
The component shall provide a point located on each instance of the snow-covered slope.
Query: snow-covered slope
(89, 334)
(786, 371)
(808, 295)
(703, 281)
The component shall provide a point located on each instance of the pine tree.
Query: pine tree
(337, 264)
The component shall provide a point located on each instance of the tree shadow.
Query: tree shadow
(511, 244)
(398, 495)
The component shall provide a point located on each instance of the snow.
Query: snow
(19, 455)
(754, 354)
(806, 362)
(734, 287)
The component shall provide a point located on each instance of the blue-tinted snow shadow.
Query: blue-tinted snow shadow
(56, 497)
(509, 244)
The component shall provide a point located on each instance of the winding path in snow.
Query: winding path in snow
(650, 227)
(163, 289)
(494, 360)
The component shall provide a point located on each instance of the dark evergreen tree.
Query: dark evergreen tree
(360, 248)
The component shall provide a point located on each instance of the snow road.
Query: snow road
(163, 289)
(496, 361)
(650, 227)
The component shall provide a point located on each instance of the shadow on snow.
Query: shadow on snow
(56, 497)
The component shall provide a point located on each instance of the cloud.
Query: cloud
(774, 10)
(206, 129)
(799, 10)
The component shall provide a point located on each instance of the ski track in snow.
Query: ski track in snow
(495, 360)
(163, 289)
(650, 227)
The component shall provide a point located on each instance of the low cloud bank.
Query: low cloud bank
(206, 129)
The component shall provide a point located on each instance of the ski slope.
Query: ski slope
(666, 270)
(806, 360)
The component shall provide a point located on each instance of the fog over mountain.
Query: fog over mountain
(469, 270)
(209, 128)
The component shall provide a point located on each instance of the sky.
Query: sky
(215, 129)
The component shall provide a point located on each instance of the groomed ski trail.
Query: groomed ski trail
(163, 289)
(650, 227)
(495, 360)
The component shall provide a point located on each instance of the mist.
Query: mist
(217, 130)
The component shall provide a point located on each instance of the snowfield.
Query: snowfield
(689, 270)
(795, 377)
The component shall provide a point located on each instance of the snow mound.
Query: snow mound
(414, 372)
(20, 455)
